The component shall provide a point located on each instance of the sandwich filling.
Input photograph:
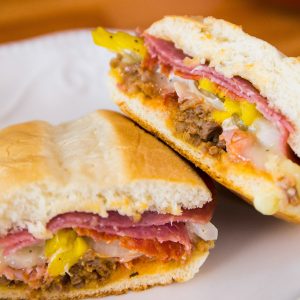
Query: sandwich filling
(86, 248)
(228, 115)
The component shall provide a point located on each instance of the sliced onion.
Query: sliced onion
(267, 133)
(229, 124)
(27, 257)
(163, 83)
(215, 102)
(113, 249)
(207, 232)
(186, 90)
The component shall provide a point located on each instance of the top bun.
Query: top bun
(232, 52)
(98, 163)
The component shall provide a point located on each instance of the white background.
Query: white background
(62, 77)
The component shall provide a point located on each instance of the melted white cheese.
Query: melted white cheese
(113, 249)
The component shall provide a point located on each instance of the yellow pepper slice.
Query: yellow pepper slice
(207, 85)
(220, 116)
(246, 111)
(119, 42)
(233, 107)
(63, 251)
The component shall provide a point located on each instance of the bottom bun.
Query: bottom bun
(255, 186)
(142, 275)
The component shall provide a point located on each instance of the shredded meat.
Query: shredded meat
(192, 121)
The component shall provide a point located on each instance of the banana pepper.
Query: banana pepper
(246, 111)
(63, 251)
(119, 42)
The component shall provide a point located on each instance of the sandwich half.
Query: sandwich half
(97, 207)
(225, 100)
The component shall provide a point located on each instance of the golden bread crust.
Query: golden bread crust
(98, 163)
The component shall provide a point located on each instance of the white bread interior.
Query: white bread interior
(256, 187)
(232, 52)
(98, 163)
(149, 274)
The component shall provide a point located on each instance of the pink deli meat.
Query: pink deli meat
(163, 227)
(168, 54)
(15, 241)
(197, 215)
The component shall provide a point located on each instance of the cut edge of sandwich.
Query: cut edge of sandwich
(232, 52)
(141, 276)
(254, 186)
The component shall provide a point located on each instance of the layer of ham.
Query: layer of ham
(163, 227)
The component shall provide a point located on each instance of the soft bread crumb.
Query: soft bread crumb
(95, 164)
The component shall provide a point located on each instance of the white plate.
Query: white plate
(63, 76)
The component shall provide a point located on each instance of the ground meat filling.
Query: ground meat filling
(135, 79)
(195, 128)
(191, 122)
(89, 268)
